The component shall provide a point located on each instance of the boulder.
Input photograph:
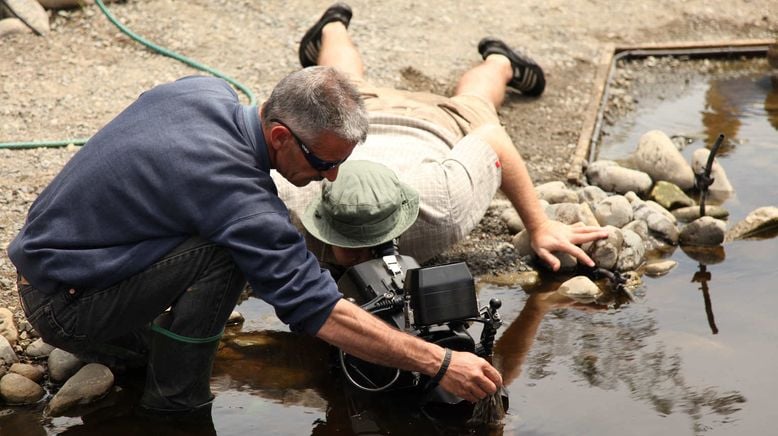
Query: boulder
(580, 288)
(62, 365)
(605, 252)
(613, 211)
(721, 185)
(11, 26)
(556, 192)
(7, 326)
(658, 268)
(612, 177)
(66, 4)
(657, 156)
(32, 372)
(38, 349)
(759, 224)
(89, 384)
(17, 389)
(670, 196)
(703, 231)
(31, 12)
(512, 220)
(7, 353)
(633, 252)
(691, 213)
(591, 195)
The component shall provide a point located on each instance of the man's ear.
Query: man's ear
(276, 137)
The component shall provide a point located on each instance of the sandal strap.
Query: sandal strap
(528, 77)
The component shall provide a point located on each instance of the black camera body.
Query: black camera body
(437, 304)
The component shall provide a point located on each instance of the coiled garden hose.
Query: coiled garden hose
(161, 50)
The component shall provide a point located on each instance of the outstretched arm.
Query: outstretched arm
(365, 336)
(547, 236)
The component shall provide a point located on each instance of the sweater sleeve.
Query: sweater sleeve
(281, 271)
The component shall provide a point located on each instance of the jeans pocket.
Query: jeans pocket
(62, 318)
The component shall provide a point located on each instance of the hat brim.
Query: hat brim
(317, 225)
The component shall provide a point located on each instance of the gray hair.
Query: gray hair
(315, 99)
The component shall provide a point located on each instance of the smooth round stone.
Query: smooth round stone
(32, 372)
(18, 389)
(658, 268)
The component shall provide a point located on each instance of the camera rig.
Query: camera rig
(437, 304)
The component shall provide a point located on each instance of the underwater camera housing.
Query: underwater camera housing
(437, 304)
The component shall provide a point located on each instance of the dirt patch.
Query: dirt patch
(73, 81)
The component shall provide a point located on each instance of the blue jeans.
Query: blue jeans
(197, 280)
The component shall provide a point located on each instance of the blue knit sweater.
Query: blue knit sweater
(185, 159)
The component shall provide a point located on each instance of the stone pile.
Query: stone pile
(31, 368)
(28, 368)
(645, 208)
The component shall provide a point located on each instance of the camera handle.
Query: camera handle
(492, 322)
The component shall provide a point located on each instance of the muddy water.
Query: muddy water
(694, 354)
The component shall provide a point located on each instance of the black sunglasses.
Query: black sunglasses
(316, 162)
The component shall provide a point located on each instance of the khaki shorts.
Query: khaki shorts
(460, 114)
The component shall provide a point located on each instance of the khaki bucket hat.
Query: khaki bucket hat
(365, 206)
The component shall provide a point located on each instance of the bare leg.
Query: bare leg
(338, 51)
(487, 80)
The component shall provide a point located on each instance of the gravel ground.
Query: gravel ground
(71, 82)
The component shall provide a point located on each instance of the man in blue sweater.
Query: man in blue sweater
(162, 217)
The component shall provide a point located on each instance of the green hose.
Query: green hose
(161, 50)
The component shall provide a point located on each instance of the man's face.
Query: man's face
(351, 256)
(301, 163)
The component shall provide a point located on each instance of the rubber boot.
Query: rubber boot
(179, 372)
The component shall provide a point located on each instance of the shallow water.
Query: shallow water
(651, 367)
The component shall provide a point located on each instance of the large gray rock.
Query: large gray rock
(512, 220)
(633, 252)
(521, 241)
(568, 213)
(586, 215)
(660, 267)
(32, 372)
(639, 227)
(703, 231)
(89, 384)
(591, 195)
(31, 12)
(612, 177)
(605, 252)
(38, 349)
(7, 353)
(613, 211)
(760, 223)
(66, 4)
(556, 192)
(62, 365)
(659, 225)
(567, 262)
(18, 389)
(657, 156)
(658, 208)
(691, 213)
(11, 26)
(580, 288)
(7, 326)
(670, 196)
(721, 185)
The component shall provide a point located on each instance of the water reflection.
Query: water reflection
(608, 351)
(728, 101)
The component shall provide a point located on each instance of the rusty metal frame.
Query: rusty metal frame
(611, 54)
